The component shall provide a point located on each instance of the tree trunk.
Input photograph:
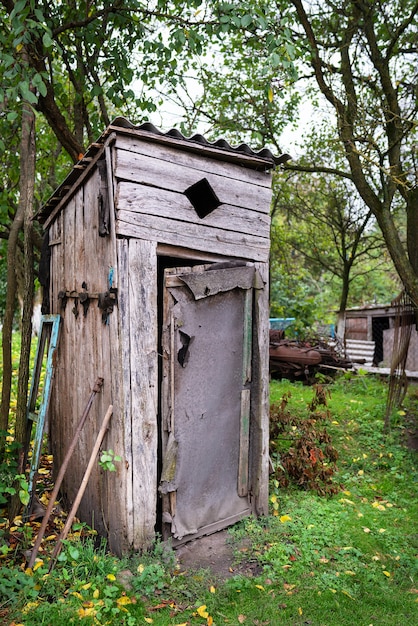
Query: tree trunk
(7, 330)
(26, 188)
(27, 184)
(343, 302)
(402, 262)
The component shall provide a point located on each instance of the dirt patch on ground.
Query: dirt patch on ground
(411, 430)
(215, 553)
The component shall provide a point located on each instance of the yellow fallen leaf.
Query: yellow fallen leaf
(285, 518)
(96, 594)
(349, 572)
(347, 594)
(29, 606)
(86, 586)
(123, 600)
(300, 610)
(149, 620)
(378, 505)
(202, 611)
(365, 529)
(260, 587)
(360, 473)
(111, 577)
(43, 471)
(37, 565)
(212, 589)
(386, 573)
(209, 620)
(140, 568)
(88, 612)
(382, 530)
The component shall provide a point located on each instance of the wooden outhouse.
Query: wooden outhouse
(156, 258)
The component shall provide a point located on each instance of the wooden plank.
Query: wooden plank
(260, 406)
(244, 443)
(247, 338)
(148, 171)
(82, 356)
(192, 236)
(203, 163)
(144, 386)
(56, 260)
(141, 199)
(66, 410)
(189, 255)
(120, 532)
(124, 380)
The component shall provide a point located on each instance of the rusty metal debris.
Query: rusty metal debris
(302, 359)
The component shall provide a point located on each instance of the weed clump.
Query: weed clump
(300, 445)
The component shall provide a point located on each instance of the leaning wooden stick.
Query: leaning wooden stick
(82, 488)
(97, 386)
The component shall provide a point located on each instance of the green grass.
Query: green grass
(343, 560)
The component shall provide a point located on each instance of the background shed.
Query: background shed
(158, 252)
(377, 324)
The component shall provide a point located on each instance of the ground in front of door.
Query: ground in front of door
(215, 553)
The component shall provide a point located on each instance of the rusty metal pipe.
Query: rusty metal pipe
(82, 488)
(97, 386)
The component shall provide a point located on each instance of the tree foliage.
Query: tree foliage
(357, 61)
(325, 228)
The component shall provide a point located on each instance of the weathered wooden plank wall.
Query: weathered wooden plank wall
(79, 255)
(151, 204)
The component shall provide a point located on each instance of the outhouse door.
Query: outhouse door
(206, 397)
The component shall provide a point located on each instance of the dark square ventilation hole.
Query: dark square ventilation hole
(202, 197)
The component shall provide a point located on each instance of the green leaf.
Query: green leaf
(73, 552)
(24, 496)
(27, 94)
(47, 40)
(246, 20)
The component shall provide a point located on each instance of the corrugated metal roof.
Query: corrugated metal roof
(265, 154)
(197, 143)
